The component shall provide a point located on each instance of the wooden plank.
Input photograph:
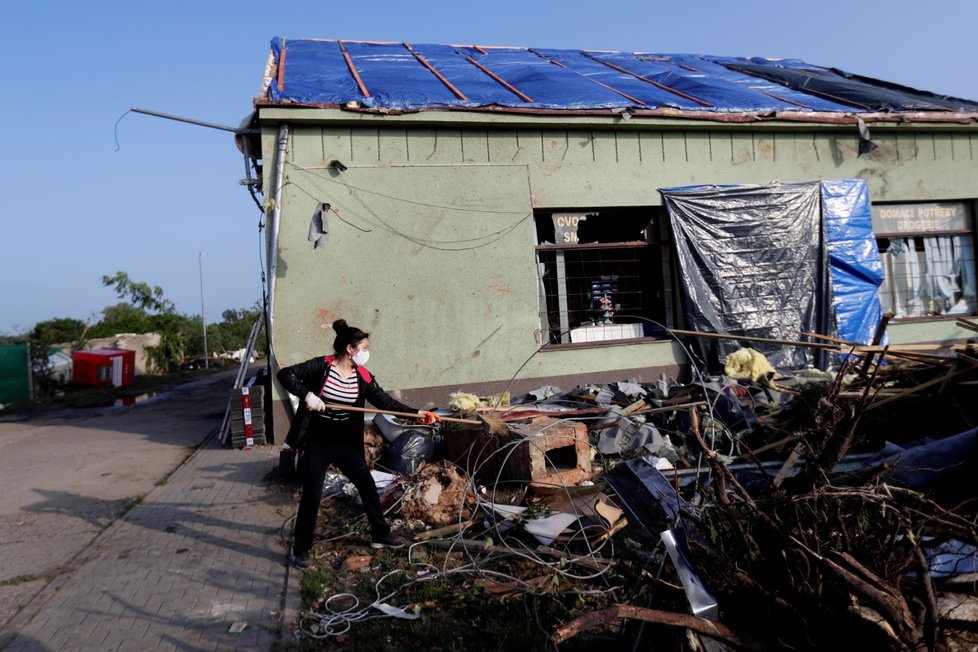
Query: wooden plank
(475, 146)
(503, 146)
(786, 147)
(742, 147)
(337, 144)
(922, 386)
(886, 144)
(392, 145)
(579, 147)
(365, 145)
(721, 147)
(698, 146)
(629, 147)
(650, 147)
(943, 147)
(447, 146)
(605, 147)
(906, 147)
(967, 323)
(826, 148)
(764, 147)
(925, 147)
(306, 146)
(674, 147)
(420, 145)
(529, 146)
(555, 145)
(744, 338)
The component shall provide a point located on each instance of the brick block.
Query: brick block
(357, 562)
(553, 453)
(547, 453)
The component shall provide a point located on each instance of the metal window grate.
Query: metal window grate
(574, 281)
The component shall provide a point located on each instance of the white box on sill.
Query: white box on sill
(604, 332)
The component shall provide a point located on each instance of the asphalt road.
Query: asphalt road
(66, 474)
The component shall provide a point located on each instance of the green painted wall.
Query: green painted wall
(432, 247)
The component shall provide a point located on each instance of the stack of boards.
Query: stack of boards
(247, 418)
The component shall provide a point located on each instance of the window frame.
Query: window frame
(655, 245)
(969, 232)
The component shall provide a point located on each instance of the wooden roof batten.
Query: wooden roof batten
(499, 80)
(353, 69)
(648, 81)
(424, 62)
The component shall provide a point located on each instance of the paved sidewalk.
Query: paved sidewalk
(197, 558)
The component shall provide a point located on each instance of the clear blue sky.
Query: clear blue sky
(76, 209)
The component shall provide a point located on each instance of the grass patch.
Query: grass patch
(19, 579)
(129, 506)
(166, 478)
(464, 610)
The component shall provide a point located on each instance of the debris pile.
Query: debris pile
(755, 509)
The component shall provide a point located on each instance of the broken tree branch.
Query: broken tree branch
(930, 383)
(699, 625)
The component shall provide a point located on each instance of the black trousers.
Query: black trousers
(314, 461)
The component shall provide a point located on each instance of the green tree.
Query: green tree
(44, 338)
(58, 331)
(121, 318)
(140, 295)
(236, 327)
(192, 331)
(161, 317)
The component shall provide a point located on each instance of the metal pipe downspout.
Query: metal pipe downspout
(273, 227)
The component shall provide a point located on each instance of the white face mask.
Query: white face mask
(361, 357)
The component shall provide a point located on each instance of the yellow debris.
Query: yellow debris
(464, 403)
(748, 363)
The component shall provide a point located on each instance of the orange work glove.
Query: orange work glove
(428, 418)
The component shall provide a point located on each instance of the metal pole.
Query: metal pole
(199, 123)
(203, 319)
(273, 227)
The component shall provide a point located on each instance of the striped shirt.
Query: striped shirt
(339, 390)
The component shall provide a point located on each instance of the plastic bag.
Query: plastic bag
(409, 451)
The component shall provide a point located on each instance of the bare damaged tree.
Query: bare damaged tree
(791, 560)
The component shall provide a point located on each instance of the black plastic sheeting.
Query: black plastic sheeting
(836, 85)
(927, 462)
(318, 72)
(409, 451)
(752, 262)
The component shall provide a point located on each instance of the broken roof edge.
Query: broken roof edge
(620, 116)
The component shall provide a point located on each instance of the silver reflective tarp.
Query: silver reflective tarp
(752, 262)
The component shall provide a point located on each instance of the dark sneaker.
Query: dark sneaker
(300, 560)
(389, 541)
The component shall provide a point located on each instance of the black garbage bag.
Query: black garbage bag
(409, 451)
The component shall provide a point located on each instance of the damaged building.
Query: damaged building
(502, 218)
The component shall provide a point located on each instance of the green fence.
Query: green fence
(15, 373)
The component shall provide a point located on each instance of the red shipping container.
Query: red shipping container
(103, 367)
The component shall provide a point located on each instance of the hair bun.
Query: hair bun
(339, 325)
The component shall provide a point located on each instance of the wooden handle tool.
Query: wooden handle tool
(409, 415)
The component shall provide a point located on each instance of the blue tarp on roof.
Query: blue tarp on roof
(399, 76)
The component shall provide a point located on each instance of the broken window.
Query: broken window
(603, 274)
(928, 258)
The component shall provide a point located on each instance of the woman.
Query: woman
(325, 436)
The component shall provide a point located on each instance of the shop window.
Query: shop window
(928, 256)
(603, 275)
